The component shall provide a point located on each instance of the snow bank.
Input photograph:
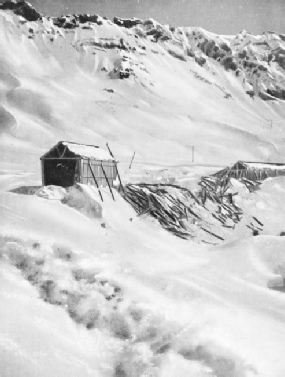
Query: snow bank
(76, 197)
(137, 300)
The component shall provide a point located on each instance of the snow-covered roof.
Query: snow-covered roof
(263, 165)
(89, 151)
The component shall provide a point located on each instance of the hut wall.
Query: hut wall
(86, 176)
(255, 174)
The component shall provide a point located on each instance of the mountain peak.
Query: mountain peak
(22, 8)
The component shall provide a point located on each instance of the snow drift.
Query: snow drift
(89, 287)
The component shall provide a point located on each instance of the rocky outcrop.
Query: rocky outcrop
(73, 21)
(258, 62)
(22, 8)
(127, 22)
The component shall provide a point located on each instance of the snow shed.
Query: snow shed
(255, 171)
(68, 163)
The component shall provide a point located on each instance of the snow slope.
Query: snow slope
(107, 293)
(60, 80)
(90, 288)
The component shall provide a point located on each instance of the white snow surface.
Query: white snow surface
(88, 288)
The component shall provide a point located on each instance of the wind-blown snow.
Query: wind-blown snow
(88, 288)
(114, 294)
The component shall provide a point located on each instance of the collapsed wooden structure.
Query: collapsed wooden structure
(156, 201)
(253, 171)
(68, 163)
(182, 212)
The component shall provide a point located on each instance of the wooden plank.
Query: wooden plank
(121, 185)
(43, 173)
(59, 158)
(63, 153)
(58, 151)
(107, 181)
(213, 234)
(95, 181)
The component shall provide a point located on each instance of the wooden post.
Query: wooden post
(107, 181)
(132, 160)
(121, 185)
(43, 172)
(95, 181)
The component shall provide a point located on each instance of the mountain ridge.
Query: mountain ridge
(237, 53)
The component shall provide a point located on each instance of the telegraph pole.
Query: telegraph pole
(132, 160)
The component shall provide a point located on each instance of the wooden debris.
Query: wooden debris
(259, 222)
(213, 234)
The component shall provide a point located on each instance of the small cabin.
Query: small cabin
(68, 163)
(252, 170)
(257, 170)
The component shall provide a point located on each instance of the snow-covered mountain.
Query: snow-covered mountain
(140, 85)
(89, 288)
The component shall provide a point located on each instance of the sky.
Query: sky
(219, 16)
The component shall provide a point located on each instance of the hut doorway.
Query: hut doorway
(60, 172)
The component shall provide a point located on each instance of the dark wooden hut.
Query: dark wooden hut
(68, 163)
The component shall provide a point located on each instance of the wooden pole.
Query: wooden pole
(107, 181)
(121, 185)
(43, 173)
(95, 181)
(132, 160)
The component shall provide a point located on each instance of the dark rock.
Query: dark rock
(94, 18)
(250, 93)
(200, 60)
(22, 8)
(229, 64)
(124, 74)
(8, 5)
(226, 48)
(176, 55)
(266, 96)
(127, 22)
(277, 93)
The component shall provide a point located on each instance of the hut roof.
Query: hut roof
(260, 165)
(83, 150)
(89, 151)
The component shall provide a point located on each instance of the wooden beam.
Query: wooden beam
(107, 182)
(121, 185)
(63, 153)
(59, 158)
(58, 151)
(43, 173)
(132, 160)
(95, 180)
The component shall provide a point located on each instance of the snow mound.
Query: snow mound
(76, 197)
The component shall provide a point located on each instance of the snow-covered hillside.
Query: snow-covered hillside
(89, 288)
(141, 86)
